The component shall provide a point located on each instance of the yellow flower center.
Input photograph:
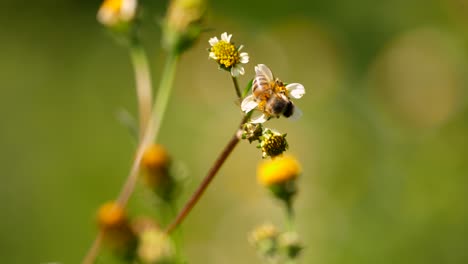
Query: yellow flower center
(277, 171)
(227, 54)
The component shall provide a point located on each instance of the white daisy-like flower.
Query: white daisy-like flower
(271, 96)
(114, 12)
(227, 55)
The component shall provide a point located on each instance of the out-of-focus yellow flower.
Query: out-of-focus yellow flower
(291, 244)
(116, 230)
(263, 232)
(264, 239)
(182, 25)
(155, 164)
(278, 171)
(112, 13)
(155, 246)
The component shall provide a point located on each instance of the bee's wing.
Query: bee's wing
(297, 113)
(261, 70)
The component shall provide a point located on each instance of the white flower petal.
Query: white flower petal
(244, 57)
(296, 90)
(262, 69)
(128, 9)
(213, 56)
(226, 37)
(213, 41)
(237, 70)
(262, 119)
(107, 17)
(234, 71)
(240, 47)
(248, 104)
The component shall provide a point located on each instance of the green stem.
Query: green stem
(290, 216)
(236, 86)
(164, 92)
(143, 83)
(149, 135)
(151, 131)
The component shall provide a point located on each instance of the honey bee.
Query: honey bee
(272, 97)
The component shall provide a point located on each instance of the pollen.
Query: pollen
(278, 171)
(226, 54)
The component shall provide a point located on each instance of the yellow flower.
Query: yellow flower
(155, 246)
(114, 12)
(278, 171)
(155, 163)
(183, 24)
(263, 232)
(116, 230)
(111, 215)
(227, 55)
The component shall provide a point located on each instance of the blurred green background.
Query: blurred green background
(383, 140)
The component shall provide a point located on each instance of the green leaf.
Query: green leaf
(247, 88)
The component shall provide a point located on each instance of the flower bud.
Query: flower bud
(114, 225)
(290, 243)
(264, 239)
(252, 132)
(273, 143)
(155, 246)
(182, 25)
(155, 164)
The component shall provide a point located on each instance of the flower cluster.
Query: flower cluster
(142, 239)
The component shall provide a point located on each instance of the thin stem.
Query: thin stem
(207, 180)
(152, 130)
(290, 215)
(149, 136)
(93, 250)
(143, 84)
(236, 86)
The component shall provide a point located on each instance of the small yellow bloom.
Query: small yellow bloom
(155, 246)
(155, 163)
(263, 232)
(116, 230)
(227, 55)
(183, 24)
(113, 12)
(278, 171)
(111, 215)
